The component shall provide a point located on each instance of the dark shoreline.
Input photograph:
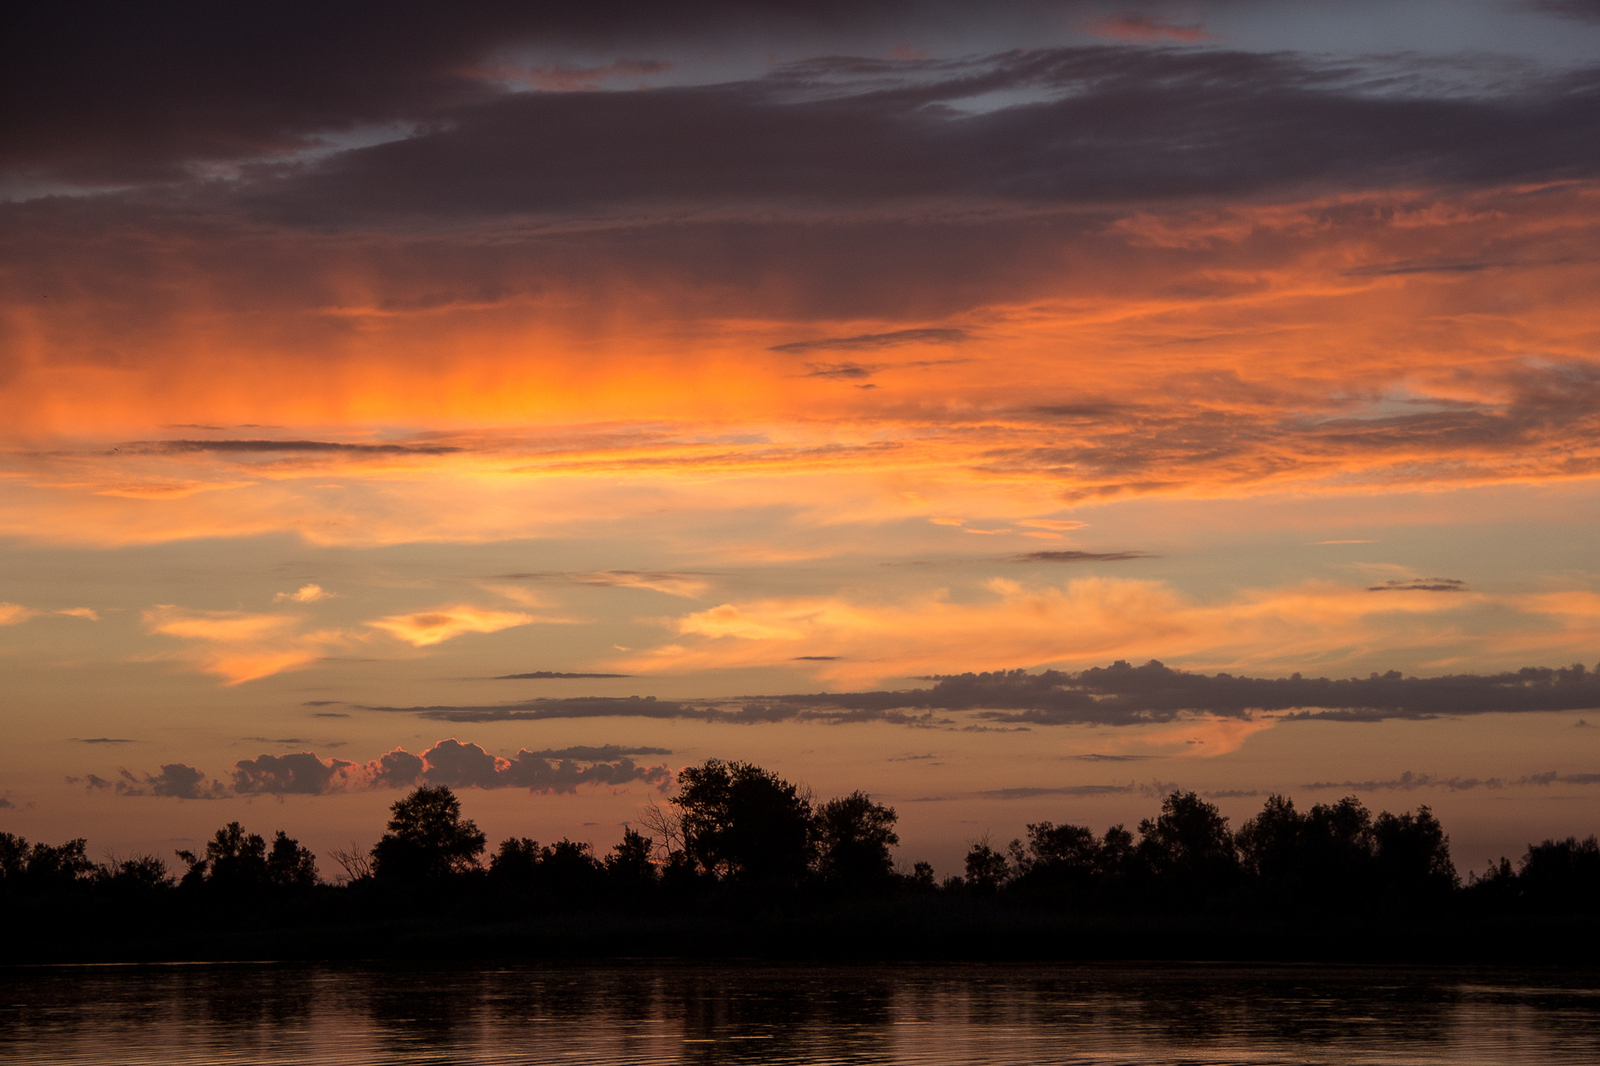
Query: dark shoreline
(886, 933)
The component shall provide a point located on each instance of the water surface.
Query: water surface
(667, 1013)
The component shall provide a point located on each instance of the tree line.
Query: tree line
(737, 831)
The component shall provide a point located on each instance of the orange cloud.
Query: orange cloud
(13, 613)
(1085, 621)
(309, 593)
(238, 646)
(425, 628)
(1351, 344)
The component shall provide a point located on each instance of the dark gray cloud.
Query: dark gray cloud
(842, 371)
(301, 772)
(600, 753)
(459, 765)
(106, 740)
(1421, 584)
(1410, 782)
(1582, 10)
(396, 769)
(176, 780)
(1079, 557)
(1120, 694)
(99, 91)
(6, 805)
(247, 446)
(1063, 790)
(1110, 124)
(842, 709)
(449, 762)
(120, 98)
(874, 340)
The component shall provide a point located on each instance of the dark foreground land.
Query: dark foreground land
(338, 925)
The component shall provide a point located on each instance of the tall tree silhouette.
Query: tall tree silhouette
(1413, 858)
(1562, 875)
(854, 836)
(427, 838)
(987, 868)
(1189, 847)
(744, 823)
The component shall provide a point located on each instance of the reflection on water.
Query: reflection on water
(662, 1012)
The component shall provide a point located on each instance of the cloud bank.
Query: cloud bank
(1117, 695)
(449, 762)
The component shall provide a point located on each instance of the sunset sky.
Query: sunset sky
(540, 398)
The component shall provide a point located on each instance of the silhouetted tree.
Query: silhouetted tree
(745, 823)
(1117, 853)
(237, 861)
(629, 864)
(289, 865)
(1340, 852)
(569, 870)
(355, 861)
(1272, 845)
(1323, 858)
(1562, 875)
(42, 867)
(13, 858)
(854, 836)
(427, 839)
(1057, 861)
(142, 873)
(987, 868)
(1497, 889)
(1413, 858)
(516, 862)
(1189, 848)
(233, 860)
